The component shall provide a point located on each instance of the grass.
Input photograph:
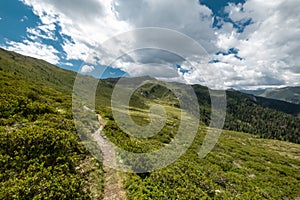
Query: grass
(42, 156)
(241, 166)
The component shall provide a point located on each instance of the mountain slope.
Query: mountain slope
(288, 94)
(240, 167)
(42, 155)
(36, 70)
(246, 113)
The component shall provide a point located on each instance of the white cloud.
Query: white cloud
(42, 31)
(34, 49)
(88, 22)
(92, 22)
(269, 46)
(76, 50)
(67, 64)
(87, 69)
(188, 17)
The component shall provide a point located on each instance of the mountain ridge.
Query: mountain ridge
(245, 113)
(290, 94)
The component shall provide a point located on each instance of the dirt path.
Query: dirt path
(113, 182)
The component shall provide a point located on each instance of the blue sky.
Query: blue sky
(246, 40)
(17, 17)
(13, 18)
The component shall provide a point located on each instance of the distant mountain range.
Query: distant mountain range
(288, 94)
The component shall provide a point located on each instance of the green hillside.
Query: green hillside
(42, 156)
(245, 113)
(36, 70)
(240, 167)
(264, 117)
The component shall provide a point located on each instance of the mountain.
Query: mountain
(246, 113)
(36, 70)
(279, 105)
(254, 92)
(288, 94)
(265, 117)
(42, 155)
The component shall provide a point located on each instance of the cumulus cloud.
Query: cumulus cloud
(87, 22)
(266, 51)
(270, 45)
(42, 31)
(90, 23)
(87, 69)
(188, 17)
(35, 49)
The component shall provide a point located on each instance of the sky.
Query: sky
(249, 44)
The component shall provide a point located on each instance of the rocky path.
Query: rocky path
(113, 182)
